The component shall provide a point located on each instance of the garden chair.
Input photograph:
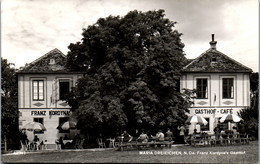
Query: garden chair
(36, 145)
(212, 140)
(100, 143)
(80, 146)
(244, 139)
(78, 142)
(24, 147)
(117, 142)
(58, 146)
(112, 142)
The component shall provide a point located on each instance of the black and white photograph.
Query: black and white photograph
(129, 81)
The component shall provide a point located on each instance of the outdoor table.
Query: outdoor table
(121, 138)
(68, 144)
(222, 139)
(196, 139)
(67, 141)
(111, 142)
(46, 145)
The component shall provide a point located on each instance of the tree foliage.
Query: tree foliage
(250, 114)
(132, 66)
(254, 82)
(9, 109)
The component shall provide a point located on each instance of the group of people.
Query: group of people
(35, 144)
(240, 129)
(143, 137)
(76, 142)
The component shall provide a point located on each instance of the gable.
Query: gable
(53, 61)
(215, 61)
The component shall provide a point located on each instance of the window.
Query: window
(202, 85)
(40, 120)
(213, 60)
(228, 88)
(223, 125)
(205, 127)
(62, 120)
(52, 61)
(64, 88)
(38, 92)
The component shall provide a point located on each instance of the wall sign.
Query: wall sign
(38, 113)
(213, 111)
(51, 113)
(59, 113)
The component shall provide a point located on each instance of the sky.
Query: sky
(32, 28)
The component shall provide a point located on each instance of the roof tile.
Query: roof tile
(215, 61)
(43, 65)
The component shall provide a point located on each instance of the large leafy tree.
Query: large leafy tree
(132, 66)
(9, 109)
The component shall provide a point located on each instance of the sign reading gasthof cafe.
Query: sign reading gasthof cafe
(213, 111)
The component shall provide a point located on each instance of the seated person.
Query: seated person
(235, 133)
(126, 137)
(159, 136)
(60, 141)
(24, 138)
(66, 137)
(168, 135)
(217, 130)
(76, 141)
(235, 130)
(195, 131)
(222, 132)
(36, 142)
(143, 138)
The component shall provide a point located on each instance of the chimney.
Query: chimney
(213, 43)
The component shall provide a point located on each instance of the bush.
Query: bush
(250, 117)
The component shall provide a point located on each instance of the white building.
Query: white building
(222, 86)
(42, 86)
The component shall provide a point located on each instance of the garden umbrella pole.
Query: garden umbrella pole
(196, 119)
(230, 118)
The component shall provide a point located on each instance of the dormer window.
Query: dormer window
(213, 60)
(52, 61)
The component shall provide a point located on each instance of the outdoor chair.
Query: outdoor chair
(244, 139)
(80, 146)
(206, 139)
(236, 139)
(77, 143)
(36, 145)
(112, 142)
(58, 146)
(100, 143)
(117, 142)
(223, 140)
(25, 147)
(212, 140)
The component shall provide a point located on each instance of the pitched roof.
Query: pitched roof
(215, 61)
(44, 65)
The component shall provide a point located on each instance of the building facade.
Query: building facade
(222, 87)
(42, 87)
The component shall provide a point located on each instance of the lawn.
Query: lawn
(177, 154)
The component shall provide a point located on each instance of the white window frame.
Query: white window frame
(207, 88)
